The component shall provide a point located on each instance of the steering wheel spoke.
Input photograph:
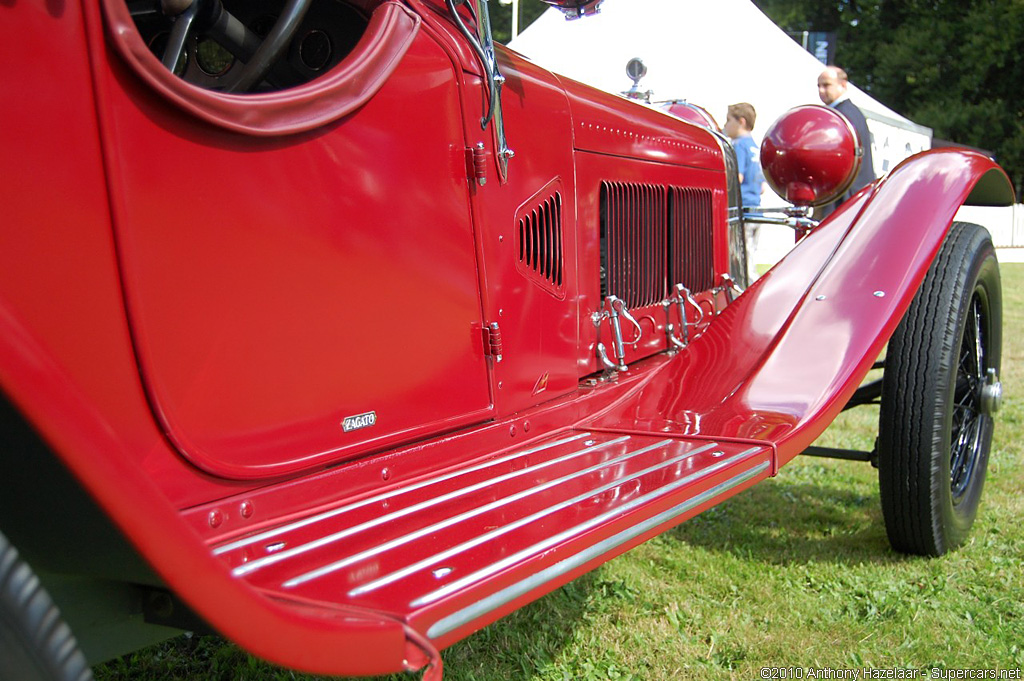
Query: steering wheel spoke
(271, 49)
(177, 42)
(196, 21)
(143, 8)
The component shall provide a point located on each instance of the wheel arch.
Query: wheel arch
(896, 230)
(992, 188)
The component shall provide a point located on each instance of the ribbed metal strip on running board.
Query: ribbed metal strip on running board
(450, 543)
(492, 602)
(274, 533)
(504, 501)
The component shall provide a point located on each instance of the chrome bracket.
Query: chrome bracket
(616, 309)
(727, 285)
(797, 218)
(602, 356)
(680, 298)
(600, 348)
(495, 81)
(483, 46)
(670, 328)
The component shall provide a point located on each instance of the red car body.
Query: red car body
(335, 377)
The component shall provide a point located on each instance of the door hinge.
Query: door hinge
(478, 154)
(492, 341)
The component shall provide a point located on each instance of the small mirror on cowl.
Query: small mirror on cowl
(636, 70)
(810, 155)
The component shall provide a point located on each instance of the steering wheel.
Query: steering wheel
(210, 19)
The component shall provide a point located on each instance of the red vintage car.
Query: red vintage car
(335, 328)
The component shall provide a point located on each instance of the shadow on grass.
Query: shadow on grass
(518, 646)
(794, 523)
(514, 648)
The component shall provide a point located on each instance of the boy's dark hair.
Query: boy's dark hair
(745, 111)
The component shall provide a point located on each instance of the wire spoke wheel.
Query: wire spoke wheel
(968, 420)
(35, 643)
(939, 392)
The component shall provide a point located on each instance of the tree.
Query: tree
(501, 17)
(952, 65)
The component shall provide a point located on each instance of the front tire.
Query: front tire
(939, 392)
(35, 643)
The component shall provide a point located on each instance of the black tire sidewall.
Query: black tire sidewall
(918, 396)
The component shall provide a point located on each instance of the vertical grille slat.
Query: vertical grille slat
(559, 257)
(690, 238)
(549, 226)
(524, 239)
(544, 228)
(536, 227)
(540, 250)
(628, 278)
(634, 242)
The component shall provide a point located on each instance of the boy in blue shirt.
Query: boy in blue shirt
(739, 122)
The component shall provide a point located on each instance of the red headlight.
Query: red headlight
(810, 155)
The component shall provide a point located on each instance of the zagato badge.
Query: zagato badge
(359, 421)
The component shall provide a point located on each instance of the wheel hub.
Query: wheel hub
(991, 397)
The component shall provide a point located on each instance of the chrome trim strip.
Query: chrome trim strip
(500, 598)
(298, 524)
(252, 566)
(497, 532)
(556, 539)
(498, 503)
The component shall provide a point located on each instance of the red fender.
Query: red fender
(780, 363)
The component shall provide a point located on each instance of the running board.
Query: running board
(450, 553)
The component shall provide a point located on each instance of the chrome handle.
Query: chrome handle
(602, 355)
(683, 297)
(728, 286)
(670, 328)
(619, 306)
(612, 309)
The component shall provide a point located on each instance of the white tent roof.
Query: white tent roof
(709, 53)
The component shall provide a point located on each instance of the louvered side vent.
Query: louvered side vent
(690, 238)
(633, 242)
(539, 243)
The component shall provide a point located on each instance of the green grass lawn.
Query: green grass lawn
(795, 572)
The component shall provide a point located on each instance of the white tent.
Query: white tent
(708, 53)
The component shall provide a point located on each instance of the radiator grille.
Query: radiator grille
(653, 237)
(540, 243)
(690, 240)
(634, 248)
